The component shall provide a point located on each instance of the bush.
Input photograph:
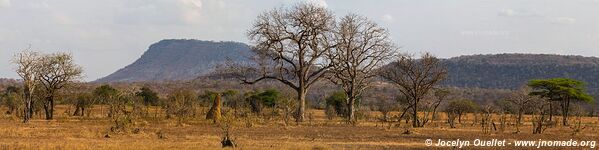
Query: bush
(181, 104)
(269, 98)
(338, 102)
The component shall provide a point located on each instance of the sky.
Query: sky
(106, 35)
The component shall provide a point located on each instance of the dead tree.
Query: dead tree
(415, 78)
(291, 45)
(362, 47)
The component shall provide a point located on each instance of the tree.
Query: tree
(415, 78)
(291, 46)
(362, 47)
(27, 69)
(12, 98)
(182, 104)
(563, 90)
(83, 101)
(521, 100)
(337, 102)
(106, 94)
(150, 97)
(55, 72)
(460, 107)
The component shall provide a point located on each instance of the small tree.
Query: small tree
(56, 71)
(415, 78)
(521, 100)
(27, 68)
(12, 98)
(337, 102)
(181, 104)
(106, 95)
(460, 107)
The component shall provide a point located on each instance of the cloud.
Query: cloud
(518, 13)
(193, 3)
(563, 20)
(4, 3)
(387, 18)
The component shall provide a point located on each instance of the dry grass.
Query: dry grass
(67, 132)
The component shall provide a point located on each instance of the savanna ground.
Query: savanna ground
(68, 132)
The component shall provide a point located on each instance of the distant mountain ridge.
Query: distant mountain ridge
(189, 59)
(179, 59)
(510, 71)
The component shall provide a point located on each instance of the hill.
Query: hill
(510, 71)
(179, 60)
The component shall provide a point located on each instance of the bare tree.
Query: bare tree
(55, 72)
(522, 100)
(291, 46)
(362, 47)
(415, 78)
(27, 66)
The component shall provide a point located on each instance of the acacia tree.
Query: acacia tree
(291, 46)
(563, 90)
(27, 66)
(362, 47)
(55, 72)
(415, 78)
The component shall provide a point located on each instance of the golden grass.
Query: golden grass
(67, 132)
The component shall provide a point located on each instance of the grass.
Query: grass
(68, 132)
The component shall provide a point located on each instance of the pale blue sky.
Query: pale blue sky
(105, 35)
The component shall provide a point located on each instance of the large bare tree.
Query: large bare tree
(291, 46)
(362, 47)
(27, 66)
(55, 72)
(415, 79)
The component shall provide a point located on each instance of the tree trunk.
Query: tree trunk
(565, 106)
(550, 111)
(415, 115)
(519, 121)
(302, 105)
(27, 111)
(350, 110)
(49, 108)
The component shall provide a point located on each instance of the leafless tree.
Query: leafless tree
(291, 46)
(415, 78)
(27, 66)
(362, 47)
(55, 72)
(521, 100)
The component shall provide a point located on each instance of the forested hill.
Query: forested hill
(179, 60)
(510, 71)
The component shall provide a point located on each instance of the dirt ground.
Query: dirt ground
(67, 132)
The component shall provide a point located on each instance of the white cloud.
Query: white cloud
(518, 13)
(563, 20)
(193, 3)
(4, 3)
(387, 18)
